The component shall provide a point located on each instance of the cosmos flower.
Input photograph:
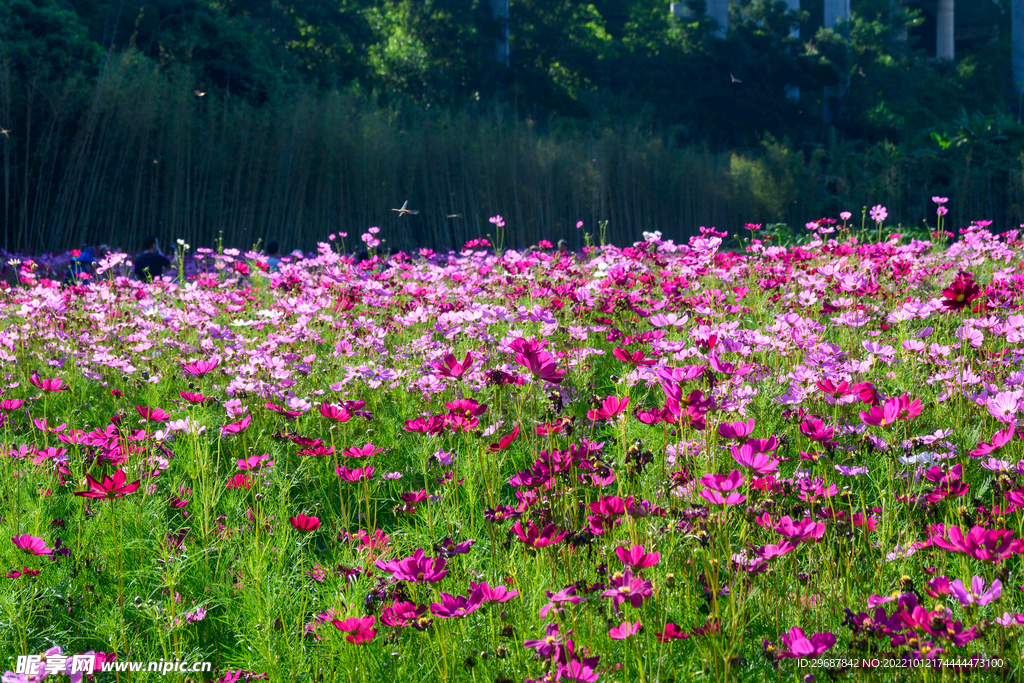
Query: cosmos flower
(976, 595)
(201, 367)
(33, 545)
(304, 523)
(418, 568)
(624, 630)
(48, 386)
(609, 408)
(961, 292)
(110, 488)
(636, 558)
(452, 368)
(799, 646)
(627, 587)
(456, 606)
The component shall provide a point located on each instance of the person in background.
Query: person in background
(150, 264)
(272, 251)
(80, 266)
(563, 247)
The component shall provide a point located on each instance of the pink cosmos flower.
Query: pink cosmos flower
(610, 407)
(799, 646)
(736, 430)
(239, 481)
(304, 523)
(455, 606)
(878, 213)
(201, 367)
(33, 545)
(549, 645)
(355, 474)
(988, 545)
(360, 630)
(336, 413)
(760, 463)
(977, 595)
(255, 463)
(402, 614)
(281, 410)
(425, 425)
(636, 558)
(624, 630)
(451, 368)
(729, 369)
(671, 633)
(636, 359)
(804, 531)
(882, 416)
(504, 441)
(498, 594)
(48, 385)
(534, 537)
(362, 451)
(154, 414)
(628, 587)
(417, 568)
(555, 601)
(236, 427)
(577, 671)
(110, 488)
(540, 363)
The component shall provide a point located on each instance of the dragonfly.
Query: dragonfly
(403, 211)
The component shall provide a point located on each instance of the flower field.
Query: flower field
(720, 460)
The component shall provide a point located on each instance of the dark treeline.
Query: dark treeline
(262, 120)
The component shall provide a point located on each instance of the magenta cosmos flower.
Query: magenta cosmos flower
(201, 367)
(537, 538)
(451, 367)
(609, 408)
(33, 545)
(636, 558)
(456, 606)
(721, 488)
(418, 568)
(628, 587)
(748, 457)
(305, 523)
(336, 413)
(505, 441)
(976, 595)
(110, 487)
(362, 451)
(736, 430)
(497, 594)
(799, 646)
(48, 385)
(804, 531)
(988, 545)
(153, 414)
(624, 630)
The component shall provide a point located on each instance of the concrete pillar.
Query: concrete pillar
(944, 36)
(836, 11)
(793, 92)
(499, 10)
(1017, 44)
(719, 11)
(680, 10)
